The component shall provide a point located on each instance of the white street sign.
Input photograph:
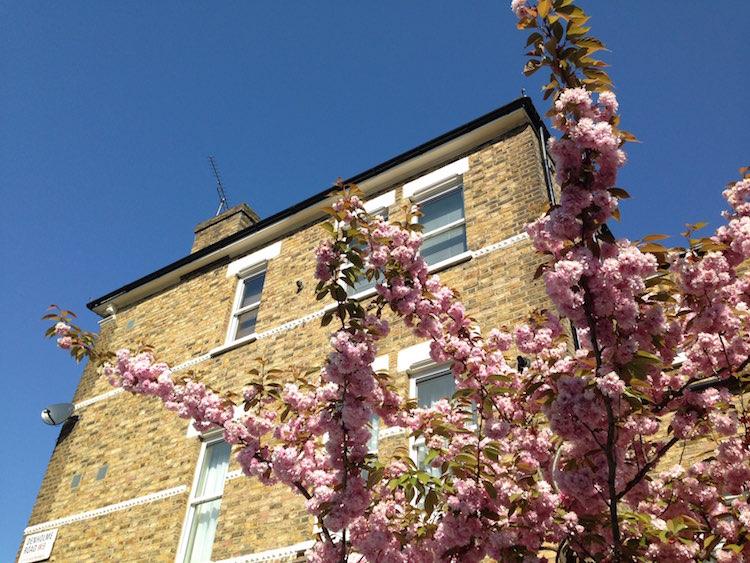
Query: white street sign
(38, 547)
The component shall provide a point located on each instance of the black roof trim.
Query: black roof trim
(524, 103)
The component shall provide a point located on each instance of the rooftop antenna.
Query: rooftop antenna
(223, 203)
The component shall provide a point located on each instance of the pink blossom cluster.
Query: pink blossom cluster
(631, 332)
(62, 331)
(433, 311)
(521, 9)
(518, 459)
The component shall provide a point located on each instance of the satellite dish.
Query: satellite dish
(57, 413)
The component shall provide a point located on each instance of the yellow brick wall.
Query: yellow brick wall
(146, 446)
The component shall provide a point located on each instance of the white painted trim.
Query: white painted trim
(505, 243)
(211, 438)
(296, 322)
(111, 393)
(413, 355)
(390, 432)
(452, 261)
(234, 474)
(256, 270)
(422, 370)
(290, 325)
(369, 292)
(191, 362)
(233, 344)
(383, 201)
(107, 320)
(214, 433)
(240, 266)
(436, 177)
(159, 495)
(381, 363)
(391, 176)
(271, 554)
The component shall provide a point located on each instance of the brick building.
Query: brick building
(129, 481)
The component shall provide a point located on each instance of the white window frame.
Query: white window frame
(365, 293)
(437, 177)
(433, 192)
(381, 364)
(419, 372)
(256, 270)
(374, 206)
(212, 437)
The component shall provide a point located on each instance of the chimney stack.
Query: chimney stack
(220, 227)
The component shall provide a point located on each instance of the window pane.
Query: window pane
(432, 389)
(246, 323)
(102, 473)
(202, 532)
(215, 463)
(444, 245)
(442, 210)
(363, 284)
(372, 443)
(252, 290)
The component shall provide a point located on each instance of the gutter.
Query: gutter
(523, 103)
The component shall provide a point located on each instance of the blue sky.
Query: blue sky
(109, 111)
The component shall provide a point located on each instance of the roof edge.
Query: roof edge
(524, 103)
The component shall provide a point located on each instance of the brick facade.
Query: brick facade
(148, 450)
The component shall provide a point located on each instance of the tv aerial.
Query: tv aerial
(223, 203)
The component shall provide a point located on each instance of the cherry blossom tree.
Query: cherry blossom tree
(565, 454)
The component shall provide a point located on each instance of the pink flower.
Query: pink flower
(65, 342)
(611, 385)
(521, 9)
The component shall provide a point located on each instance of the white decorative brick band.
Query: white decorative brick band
(391, 431)
(301, 321)
(191, 362)
(159, 495)
(500, 245)
(234, 474)
(292, 324)
(83, 404)
(271, 554)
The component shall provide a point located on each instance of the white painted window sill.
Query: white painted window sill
(363, 294)
(219, 350)
(442, 265)
(452, 261)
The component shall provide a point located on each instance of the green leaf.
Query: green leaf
(591, 44)
(490, 488)
(327, 318)
(619, 193)
(653, 247)
(534, 38)
(531, 67)
(543, 7)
